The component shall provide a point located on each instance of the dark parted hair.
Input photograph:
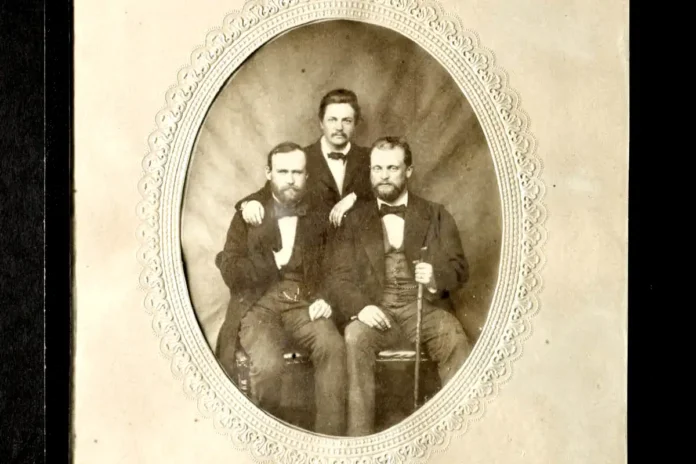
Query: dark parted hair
(285, 147)
(340, 96)
(391, 142)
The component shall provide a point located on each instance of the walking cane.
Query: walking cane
(419, 323)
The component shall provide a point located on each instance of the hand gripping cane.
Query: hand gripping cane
(419, 324)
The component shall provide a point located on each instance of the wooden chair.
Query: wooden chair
(392, 395)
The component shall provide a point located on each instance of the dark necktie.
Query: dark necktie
(385, 209)
(335, 155)
(282, 211)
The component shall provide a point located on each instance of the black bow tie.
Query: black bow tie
(385, 209)
(335, 155)
(282, 211)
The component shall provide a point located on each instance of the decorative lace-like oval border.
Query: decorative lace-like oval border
(521, 191)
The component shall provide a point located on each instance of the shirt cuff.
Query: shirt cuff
(432, 290)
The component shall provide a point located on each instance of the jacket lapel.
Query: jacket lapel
(320, 168)
(416, 225)
(353, 161)
(372, 238)
(265, 238)
(308, 231)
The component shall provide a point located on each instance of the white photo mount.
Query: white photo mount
(515, 299)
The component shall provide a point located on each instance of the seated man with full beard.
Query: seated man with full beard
(274, 275)
(375, 268)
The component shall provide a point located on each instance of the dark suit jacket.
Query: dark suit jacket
(355, 264)
(321, 183)
(249, 269)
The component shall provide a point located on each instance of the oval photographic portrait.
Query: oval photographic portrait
(341, 228)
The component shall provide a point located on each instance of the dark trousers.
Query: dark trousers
(442, 335)
(265, 333)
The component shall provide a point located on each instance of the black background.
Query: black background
(26, 432)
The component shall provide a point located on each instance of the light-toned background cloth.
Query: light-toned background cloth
(275, 97)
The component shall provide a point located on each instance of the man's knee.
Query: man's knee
(357, 335)
(328, 342)
(450, 339)
(267, 367)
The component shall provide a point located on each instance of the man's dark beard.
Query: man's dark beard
(280, 195)
(388, 197)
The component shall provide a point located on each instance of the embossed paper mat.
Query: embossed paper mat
(565, 400)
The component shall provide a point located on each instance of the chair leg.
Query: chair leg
(243, 381)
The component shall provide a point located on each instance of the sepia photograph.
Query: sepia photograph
(349, 232)
(341, 228)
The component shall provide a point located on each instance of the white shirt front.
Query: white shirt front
(337, 166)
(394, 224)
(288, 229)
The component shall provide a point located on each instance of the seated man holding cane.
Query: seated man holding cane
(382, 252)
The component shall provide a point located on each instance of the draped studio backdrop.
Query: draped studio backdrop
(274, 96)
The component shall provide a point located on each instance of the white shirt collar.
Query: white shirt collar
(326, 148)
(402, 200)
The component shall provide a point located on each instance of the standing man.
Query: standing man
(338, 169)
(375, 269)
(273, 272)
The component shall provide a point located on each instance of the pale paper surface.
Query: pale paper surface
(565, 402)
